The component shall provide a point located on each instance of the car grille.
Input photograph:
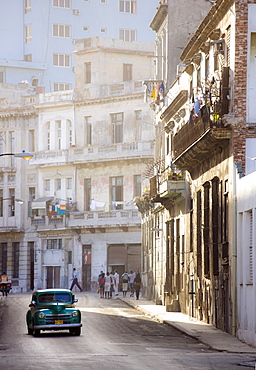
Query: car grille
(50, 319)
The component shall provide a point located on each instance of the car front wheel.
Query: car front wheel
(30, 331)
(36, 332)
(75, 331)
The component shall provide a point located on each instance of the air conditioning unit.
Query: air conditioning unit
(76, 11)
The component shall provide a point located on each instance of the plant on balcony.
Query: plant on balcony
(143, 202)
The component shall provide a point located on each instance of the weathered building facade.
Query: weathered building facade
(91, 146)
(209, 126)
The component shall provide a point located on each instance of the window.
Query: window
(28, 34)
(4, 256)
(103, 1)
(87, 73)
(127, 35)
(69, 183)
(88, 130)
(48, 136)
(28, 57)
(116, 192)
(103, 30)
(31, 194)
(1, 142)
(138, 124)
(54, 244)
(127, 6)
(58, 127)
(31, 140)
(86, 28)
(27, 6)
(76, 12)
(1, 203)
(61, 3)
(70, 132)
(61, 86)
(61, 60)
(2, 77)
(15, 257)
(127, 72)
(87, 194)
(11, 203)
(47, 185)
(58, 184)
(137, 185)
(117, 127)
(61, 30)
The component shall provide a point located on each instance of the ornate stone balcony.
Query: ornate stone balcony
(167, 186)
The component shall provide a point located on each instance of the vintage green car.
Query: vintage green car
(53, 309)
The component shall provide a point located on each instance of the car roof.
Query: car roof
(52, 291)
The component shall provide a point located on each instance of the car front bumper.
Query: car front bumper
(58, 326)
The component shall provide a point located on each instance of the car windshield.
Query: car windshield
(54, 297)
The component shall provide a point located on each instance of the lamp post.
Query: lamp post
(23, 154)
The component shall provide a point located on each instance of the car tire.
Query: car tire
(36, 332)
(30, 331)
(77, 331)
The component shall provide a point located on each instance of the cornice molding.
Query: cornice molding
(209, 23)
(159, 17)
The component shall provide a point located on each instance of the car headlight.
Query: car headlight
(41, 315)
(74, 314)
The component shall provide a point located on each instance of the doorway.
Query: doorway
(52, 277)
(86, 267)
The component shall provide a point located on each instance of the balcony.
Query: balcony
(93, 221)
(169, 186)
(94, 153)
(197, 140)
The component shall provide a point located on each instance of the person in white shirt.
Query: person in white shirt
(116, 276)
(75, 280)
(131, 282)
(107, 285)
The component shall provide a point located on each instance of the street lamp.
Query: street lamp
(23, 154)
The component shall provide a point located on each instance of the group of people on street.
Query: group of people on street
(109, 283)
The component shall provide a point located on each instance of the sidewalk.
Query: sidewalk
(205, 333)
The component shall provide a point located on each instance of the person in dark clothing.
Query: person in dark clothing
(75, 280)
(137, 284)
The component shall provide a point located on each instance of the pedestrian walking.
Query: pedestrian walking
(75, 280)
(125, 280)
(101, 281)
(116, 275)
(4, 281)
(131, 283)
(112, 283)
(107, 285)
(137, 284)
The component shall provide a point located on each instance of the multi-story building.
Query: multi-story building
(38, 37)
(172, 34)
(91, 146)
(209, 127)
